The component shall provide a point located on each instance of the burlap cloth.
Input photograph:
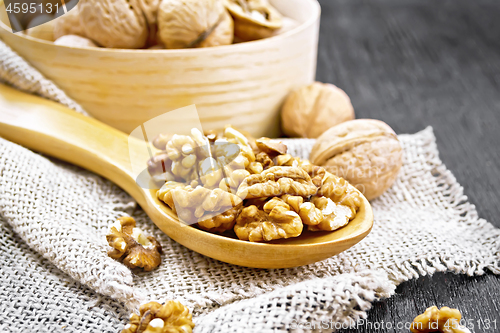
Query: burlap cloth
(55, 274)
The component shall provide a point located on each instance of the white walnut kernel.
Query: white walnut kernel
(311, 110)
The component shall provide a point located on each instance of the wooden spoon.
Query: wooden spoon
(55, 130)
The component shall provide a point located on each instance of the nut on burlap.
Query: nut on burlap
(365, 152)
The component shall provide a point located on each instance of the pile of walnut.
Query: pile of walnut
(252, 186)
(158, 24)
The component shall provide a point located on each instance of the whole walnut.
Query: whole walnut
(69, 24)
(365, 152)
(75, 41)
(194, 23)
(222, 33)
(311, 110)
(114, 23)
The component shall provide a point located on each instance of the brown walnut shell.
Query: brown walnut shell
(309, 111)
(193, 23)
(254, 19)
(114, 23)
(69, 24)
(365, 152)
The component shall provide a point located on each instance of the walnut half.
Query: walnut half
(277, 220)
(277, 181)
(154, 317)
(254, 19)
(444, 320)
(131, 246)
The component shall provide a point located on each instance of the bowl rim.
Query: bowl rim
(191, 51)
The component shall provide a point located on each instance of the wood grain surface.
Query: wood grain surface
(414, 63)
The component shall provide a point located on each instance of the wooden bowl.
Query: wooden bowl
(242, 84)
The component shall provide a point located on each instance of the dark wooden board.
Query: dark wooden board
(414, 63)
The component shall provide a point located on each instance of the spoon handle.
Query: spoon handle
(55, 130)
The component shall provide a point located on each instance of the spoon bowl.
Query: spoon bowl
(57, 131)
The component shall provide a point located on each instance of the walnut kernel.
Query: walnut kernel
(271, 147)
(199, 204)
(443, 320)
(132, 246)
(334, 215)
(276, 221)
(338, 190)
(170, 317)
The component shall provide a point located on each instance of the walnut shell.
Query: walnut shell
(311, 110)
(150, 10)
(114, 23)
(69, 24)
(254, 19)
(75, 41)
(194, 23)
(365, 152)
(223, 33)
